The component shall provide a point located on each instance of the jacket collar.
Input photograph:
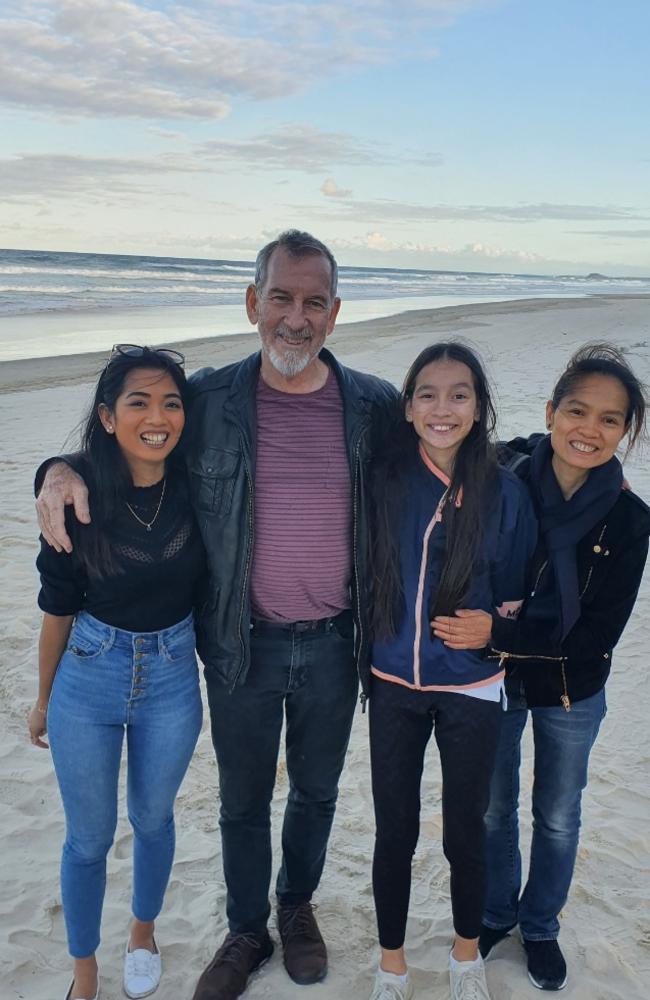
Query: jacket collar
(240, 403)
(356, 404)
(241, 395)
(245, 382)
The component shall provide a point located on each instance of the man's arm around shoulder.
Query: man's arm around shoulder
(56, 485)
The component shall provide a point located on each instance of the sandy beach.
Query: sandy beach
(606, 923)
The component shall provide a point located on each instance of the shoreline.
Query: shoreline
(70, 369)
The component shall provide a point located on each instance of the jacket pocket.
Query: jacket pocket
(595, 567)
(213, 474)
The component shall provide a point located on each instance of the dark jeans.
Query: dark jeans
(310, 678)
(466, 731)
(563, 742)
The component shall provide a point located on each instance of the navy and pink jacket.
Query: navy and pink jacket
(412, 656)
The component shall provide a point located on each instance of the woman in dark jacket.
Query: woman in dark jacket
(585, 577)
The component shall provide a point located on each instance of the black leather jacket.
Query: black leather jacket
(610, 559)
(221, 462)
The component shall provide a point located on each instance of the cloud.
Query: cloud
(296, 147)
(330, 189)
(381, 243)
(377, 241)
(166, 133)
(40, 175)
(625, 234)
(497, 253)
(292, 146)
(126, 58)
(212, 244)
(387, 211)
(477, 255)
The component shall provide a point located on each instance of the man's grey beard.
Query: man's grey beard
(290, 363)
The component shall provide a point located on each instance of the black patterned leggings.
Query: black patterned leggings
(466, 731)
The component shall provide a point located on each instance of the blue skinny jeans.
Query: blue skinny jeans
(108, 682)
(563, 742)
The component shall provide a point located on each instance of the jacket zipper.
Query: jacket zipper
(249, 559)
(591, 568)
(503, 656)
(538, 577)
(363, 697)
(564, 697)
(419, 600)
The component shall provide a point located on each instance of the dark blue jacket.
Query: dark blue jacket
(412, 657)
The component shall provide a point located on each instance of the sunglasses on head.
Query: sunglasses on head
(136, 351)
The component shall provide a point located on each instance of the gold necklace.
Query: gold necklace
(146, 524)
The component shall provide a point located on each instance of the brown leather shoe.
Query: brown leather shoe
(227, 974)
(305, 954)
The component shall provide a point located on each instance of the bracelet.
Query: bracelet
(38, 708)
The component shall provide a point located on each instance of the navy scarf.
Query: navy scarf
(564, 522)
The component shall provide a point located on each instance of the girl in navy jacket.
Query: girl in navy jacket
(451, 530)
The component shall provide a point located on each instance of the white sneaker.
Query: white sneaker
(467, 980)
(142, 972)
(388, 987)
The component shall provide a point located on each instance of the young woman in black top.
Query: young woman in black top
(584, 582)
(116, 654)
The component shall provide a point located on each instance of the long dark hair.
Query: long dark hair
(474, 469)
(103, 464)
(605, 359)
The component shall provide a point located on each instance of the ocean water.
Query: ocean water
(55, 303)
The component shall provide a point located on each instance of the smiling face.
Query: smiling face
(443, 409)
(294, 311)
(588, 424)
(147, 421)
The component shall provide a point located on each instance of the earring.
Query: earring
(109, 428)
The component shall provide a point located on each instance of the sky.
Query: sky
(483, 135)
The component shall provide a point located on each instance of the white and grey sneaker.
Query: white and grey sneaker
(142, 972)
(390, 987)
(467, 980)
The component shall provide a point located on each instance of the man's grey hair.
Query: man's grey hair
(296, 244)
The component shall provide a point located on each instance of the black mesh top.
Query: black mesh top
(160, 571)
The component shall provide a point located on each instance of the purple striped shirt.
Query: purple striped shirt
(302, 555)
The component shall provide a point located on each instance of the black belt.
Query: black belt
(314, 625)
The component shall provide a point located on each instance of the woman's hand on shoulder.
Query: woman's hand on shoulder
(465, 630)
(37, 726)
